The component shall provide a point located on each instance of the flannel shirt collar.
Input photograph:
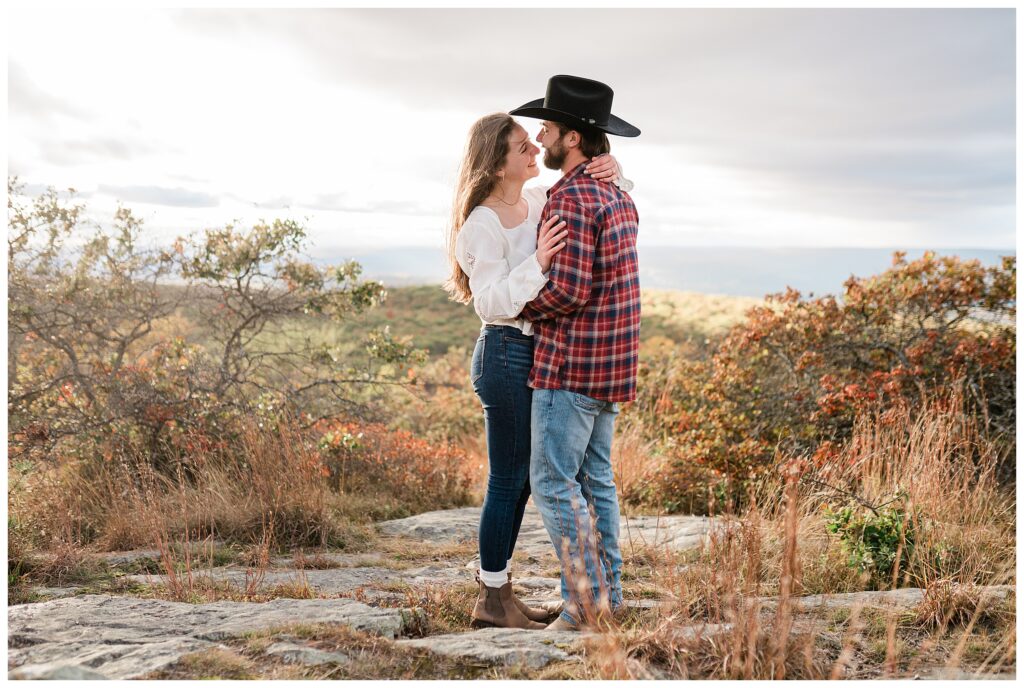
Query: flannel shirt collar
(567, 177)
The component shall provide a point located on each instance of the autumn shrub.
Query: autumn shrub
(441, 406)
(799, 372)
(94, 372)
(407, 474)
(178, 390)
(276, 483)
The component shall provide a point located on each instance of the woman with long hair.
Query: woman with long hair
(499, 261)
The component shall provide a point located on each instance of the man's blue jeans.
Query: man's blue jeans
(574, 489)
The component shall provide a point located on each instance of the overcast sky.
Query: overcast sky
(870, 128)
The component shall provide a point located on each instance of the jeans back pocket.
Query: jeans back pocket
(476, 367)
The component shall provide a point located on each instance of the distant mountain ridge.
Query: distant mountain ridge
(729, 271)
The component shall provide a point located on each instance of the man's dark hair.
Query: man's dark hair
(592, 142)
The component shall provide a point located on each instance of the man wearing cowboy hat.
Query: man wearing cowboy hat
(586, 346)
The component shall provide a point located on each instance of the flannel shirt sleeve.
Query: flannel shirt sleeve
(571, 274)
(498, 291)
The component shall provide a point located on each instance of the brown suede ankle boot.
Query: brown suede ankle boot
(529, 612)
(495, 607)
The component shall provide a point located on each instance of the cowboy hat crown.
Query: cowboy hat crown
(578, 103)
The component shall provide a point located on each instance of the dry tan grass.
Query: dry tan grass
(316, 560)
(271, 502)
(121, 506)
(215, 663)
(948, 603)
(964, 521)
(633, 462)
(446, 609)
(370, 658)
(780, 547)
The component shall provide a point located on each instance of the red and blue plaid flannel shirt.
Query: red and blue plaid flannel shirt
(587, 317)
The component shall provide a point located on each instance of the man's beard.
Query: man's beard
(555, 155)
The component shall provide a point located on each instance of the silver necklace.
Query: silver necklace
(516, 202)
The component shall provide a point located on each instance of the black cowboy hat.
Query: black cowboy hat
(579, 103)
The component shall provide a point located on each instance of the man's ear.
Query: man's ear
(572, 139)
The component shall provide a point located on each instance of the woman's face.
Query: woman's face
(521, 161)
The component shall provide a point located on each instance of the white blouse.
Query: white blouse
(501, 262)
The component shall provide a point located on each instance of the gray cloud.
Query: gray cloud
(276, 203)
(854, 71)
(48, 113)
(157, 195)
(908, 180)
(912, 109)
(343, 202)
(346, 203)
(26, 99)
(892, 115)
(30, 190)
(100, 148)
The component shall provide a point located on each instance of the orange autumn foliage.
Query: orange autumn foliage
(799, 371)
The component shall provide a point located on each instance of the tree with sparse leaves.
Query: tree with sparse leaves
(100, 358)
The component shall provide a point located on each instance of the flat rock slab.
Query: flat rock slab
(954, 674)
(302, 654)
(123, 637)
(130, 556)
(533, 649)
(461, 525)
(377, 582)
(323, 581)
(900, 598)
(333, 560)
(374, 582)
(537, 585)
(700, 631)
(44, 591)
(504, 646)
(55, 671)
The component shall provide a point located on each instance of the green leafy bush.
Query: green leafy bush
(873, 538)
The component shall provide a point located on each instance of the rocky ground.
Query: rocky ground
(398, 611)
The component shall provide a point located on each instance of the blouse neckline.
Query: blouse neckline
(508, 229)
(526, 220)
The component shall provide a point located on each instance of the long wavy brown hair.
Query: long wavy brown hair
(486, 149)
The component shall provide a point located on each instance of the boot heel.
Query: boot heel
(480, 623)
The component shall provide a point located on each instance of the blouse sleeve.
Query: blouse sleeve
(623, 183)
(498, 291)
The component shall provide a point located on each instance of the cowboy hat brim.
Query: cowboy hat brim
(536, 109)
